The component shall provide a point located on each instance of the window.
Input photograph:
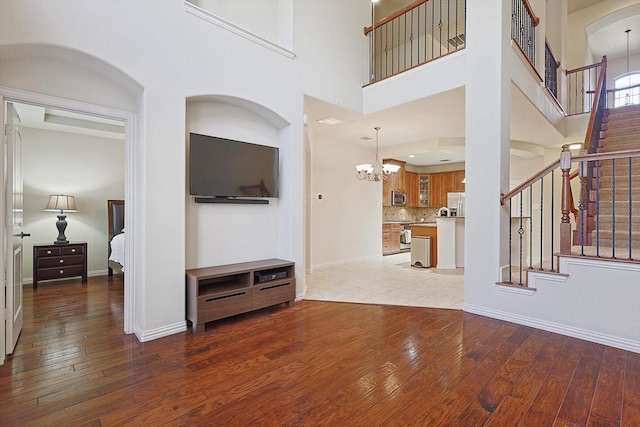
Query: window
(625, 96)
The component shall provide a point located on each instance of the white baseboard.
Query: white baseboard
(144, 336)
(558, 328)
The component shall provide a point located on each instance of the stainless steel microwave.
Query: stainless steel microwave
(398, 198)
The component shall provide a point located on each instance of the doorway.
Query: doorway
(73, 110)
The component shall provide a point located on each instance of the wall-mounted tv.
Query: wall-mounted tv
(227, 169)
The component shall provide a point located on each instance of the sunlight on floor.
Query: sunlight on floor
(387, 280)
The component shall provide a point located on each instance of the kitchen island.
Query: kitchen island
(427, 229)
(450, 242)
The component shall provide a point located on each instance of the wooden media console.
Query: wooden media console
(226, 290)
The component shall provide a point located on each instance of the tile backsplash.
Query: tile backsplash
(397, 213)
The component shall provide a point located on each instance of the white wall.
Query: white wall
(227, 233)
(150, 60)
(347, 221)
(578, 53)
(89, 168)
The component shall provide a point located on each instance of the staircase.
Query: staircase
(607, 216)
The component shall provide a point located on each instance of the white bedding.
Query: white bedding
(117, 249)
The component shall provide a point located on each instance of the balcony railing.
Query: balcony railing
(551, 65)
(421, 32)
(523, 28)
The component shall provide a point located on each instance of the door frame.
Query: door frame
(130, 183)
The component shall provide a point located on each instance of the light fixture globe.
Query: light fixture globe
(377, 171)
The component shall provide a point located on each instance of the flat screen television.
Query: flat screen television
(226, 169)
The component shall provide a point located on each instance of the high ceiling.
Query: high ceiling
(433, 129)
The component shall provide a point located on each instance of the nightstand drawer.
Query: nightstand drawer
(45, 252)
(60, 272)
(61, 261)
(72, 249)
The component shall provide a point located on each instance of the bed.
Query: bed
(115, 214)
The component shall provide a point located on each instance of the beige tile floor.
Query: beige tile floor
(387, 280)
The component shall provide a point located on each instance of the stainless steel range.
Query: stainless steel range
(405, 237)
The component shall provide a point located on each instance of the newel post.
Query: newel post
(565, 221)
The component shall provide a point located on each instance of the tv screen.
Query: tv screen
(220, 167)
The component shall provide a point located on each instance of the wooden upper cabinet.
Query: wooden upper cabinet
(397, 183)
(443, 183)
(413, 189)
(436, 189)
(458, 185)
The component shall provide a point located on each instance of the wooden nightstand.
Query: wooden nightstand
(59, 261)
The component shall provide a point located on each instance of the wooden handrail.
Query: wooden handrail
(536, 20)
(586, 67)
(596, 104)
(534, 178)
(622, 154)
(393, 16)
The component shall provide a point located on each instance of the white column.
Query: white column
(488, 94)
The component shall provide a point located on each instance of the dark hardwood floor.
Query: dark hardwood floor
(319, 363)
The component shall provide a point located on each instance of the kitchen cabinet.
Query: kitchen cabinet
(434, 187)
(390, 239)
(413, 188)
(396, 183)
(458, 185)
(423, 189)
(437, 194)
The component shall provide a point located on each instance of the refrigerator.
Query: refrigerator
(455, 204)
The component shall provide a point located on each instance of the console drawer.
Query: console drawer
(218, 305)
(276, 292)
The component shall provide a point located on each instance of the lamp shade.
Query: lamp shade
(61, 202)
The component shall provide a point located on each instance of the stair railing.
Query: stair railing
(581, 87)
(615, 192)
(543, 241)
(532, 234)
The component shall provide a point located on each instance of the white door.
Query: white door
(14, 234)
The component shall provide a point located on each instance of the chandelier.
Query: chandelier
(377, 171)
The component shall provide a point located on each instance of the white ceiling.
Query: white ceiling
(37, 117)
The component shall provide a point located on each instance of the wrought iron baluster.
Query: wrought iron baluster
(552, 211)
(541, 218)
(613, 209)
(510, 243)
(598, 211)
(521, 233)
(531, 226)
(630, 208)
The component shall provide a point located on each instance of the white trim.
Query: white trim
(130, 119)
(557, 328)
(224, 24)
(163, 331)
(565, 262)
(534, 276)
(522, 291)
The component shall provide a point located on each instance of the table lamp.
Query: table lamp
(62, 203)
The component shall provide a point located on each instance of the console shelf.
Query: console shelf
(226, 290)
